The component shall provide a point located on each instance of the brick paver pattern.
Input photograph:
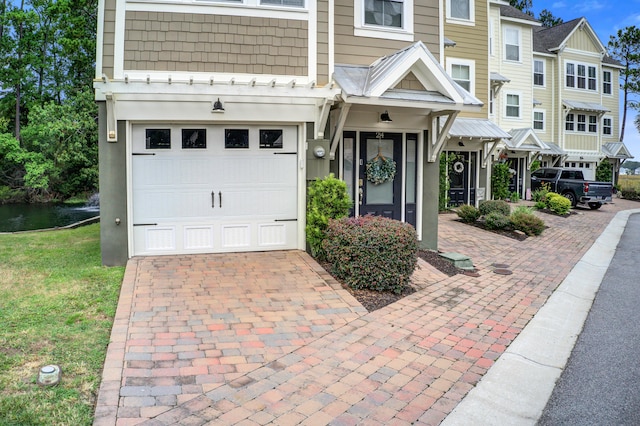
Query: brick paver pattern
(271, 338)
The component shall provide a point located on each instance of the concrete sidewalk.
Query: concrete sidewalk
(245, 339)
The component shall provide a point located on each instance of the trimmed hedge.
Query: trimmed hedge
(558, 203)
(496, 220)
(372, 252)
(528, 223)
(468, 213)
(499, 206)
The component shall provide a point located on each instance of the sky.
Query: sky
(606, 18)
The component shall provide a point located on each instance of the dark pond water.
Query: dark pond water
(27, 217)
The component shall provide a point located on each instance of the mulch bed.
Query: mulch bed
(510, 233)
(373, 300)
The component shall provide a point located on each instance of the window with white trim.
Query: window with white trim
(593, 124)
(606, 83)
(512, 44)
(385, 19)
(462, 71)
(538, 72)
(293, 3)
(570, 123)
(580, 76)
(512, 105)
(582, 122)
(607, 126)
(462, 10)
(538, 120)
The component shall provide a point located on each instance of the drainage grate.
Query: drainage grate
(500, 265)
(502, 271)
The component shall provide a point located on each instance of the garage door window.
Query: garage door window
(194, 138)
(236, 138)
(271, 139)
(158, 138)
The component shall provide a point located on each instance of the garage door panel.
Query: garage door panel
(213, 199)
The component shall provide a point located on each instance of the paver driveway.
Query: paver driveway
(270, 338)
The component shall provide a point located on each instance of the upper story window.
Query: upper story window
(607, 126)
(580, 76)
(606, 83)
(385, 13)
(294, 3)
(512, 44)
(570, 123)
(386, 19)
(538, 120)
(593, 124)
(538, 72)
(462, 72)
(512, 105)
(583, 123)
(462, 10)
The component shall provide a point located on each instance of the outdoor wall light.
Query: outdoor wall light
(460, 143)
(384, 117)
(217, 106)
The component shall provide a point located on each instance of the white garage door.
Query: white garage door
(206, 189)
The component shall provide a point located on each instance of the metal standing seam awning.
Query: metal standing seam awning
(483, 130)
(570, 105)
(375, 85)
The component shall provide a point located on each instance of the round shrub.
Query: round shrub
(499, 206)
(372, 252)
(496, 220)
(528, 223)
(559, 204)
(468, 213)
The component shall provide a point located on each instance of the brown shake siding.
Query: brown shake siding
(108, 37)
(163, 41)
(323, 43)
(351, 49)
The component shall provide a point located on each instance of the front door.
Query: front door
(459, 179)
(381, 193)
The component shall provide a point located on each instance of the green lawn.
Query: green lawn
(57, 304)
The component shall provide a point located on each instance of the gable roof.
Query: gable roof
(509, 11)
(363, 84)
(525, 140)
(546, 40)
(616, 150)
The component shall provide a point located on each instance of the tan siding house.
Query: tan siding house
(215, 115)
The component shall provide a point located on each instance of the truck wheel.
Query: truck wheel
(572, 197)
(595, 206)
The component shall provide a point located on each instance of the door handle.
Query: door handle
(213, 199)
(360, 195)
(220, 198)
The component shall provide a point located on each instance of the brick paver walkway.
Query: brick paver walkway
(270, 338)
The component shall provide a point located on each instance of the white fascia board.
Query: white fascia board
(427, 107)
(520, 21)
(423, 66)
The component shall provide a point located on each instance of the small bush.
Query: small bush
(468, 213)
(540, 193)
(372, 252)
(528, 223)
(630, 194)
(523, 209)
(559, 204)
(514, 197)
(327, 199)
(496, 220)
(499, 206)
(540, 205)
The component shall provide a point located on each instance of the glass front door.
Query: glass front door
(381, 188)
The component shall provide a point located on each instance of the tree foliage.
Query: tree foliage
(523, 5)
(47, 114)
(548, 20)
(625, 48)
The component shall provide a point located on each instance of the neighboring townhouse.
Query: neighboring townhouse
(473, 139)
(576, 85)
(214, 115)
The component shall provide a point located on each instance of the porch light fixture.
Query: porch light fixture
(384, 117)
(460, 143)
(217, 106)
